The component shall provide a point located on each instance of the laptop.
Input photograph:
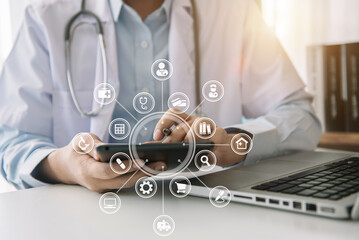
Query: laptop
(316, 183)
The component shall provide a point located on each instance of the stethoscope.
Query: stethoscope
(69, 31)
(143, 101)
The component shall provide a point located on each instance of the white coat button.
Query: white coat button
(144, 44)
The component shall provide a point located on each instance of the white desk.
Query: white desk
(71, 212)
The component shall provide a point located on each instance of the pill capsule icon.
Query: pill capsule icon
(122, 165)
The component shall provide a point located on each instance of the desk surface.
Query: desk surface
(72, 212)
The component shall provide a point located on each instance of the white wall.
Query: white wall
(11, 15)
(17, 13)
(299, 23)
(5, 30)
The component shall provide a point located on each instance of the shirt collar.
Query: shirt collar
(116, 6)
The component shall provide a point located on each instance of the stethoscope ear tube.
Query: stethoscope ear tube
(98, 26)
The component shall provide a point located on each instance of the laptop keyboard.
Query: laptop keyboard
(332, 181)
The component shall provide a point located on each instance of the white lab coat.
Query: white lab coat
(236, 48)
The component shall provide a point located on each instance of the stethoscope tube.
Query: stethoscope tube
(99, 31)
(68, 38)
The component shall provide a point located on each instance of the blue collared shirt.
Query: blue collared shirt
(139, 44)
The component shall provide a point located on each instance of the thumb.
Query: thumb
(97, 141)
(86, 143)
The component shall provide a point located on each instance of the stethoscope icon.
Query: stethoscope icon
(143, 101)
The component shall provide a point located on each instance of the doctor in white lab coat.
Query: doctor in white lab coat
(235, 46)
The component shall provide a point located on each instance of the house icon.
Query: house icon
(242, 144)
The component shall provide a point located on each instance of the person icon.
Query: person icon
(213, 91)
(162, 72)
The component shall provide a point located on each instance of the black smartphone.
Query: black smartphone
(152, 151)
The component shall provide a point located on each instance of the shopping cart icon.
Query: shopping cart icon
(181, 187)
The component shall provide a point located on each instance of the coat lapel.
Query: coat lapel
(181, 55)
(181, 50)
(101, 8)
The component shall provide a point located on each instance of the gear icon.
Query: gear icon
(146, 187)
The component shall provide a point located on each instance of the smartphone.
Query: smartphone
(152, 151)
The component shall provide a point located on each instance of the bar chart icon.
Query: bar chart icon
(205, 129)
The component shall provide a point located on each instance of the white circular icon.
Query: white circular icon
(163, 225)
(146, 187)
(162, 69)
(119, 128)
(104, 93)
(143, 102)
(204, 127)
(180, 186)
(220, 196)
(83, 143)
(205, 160)
(110, 203)
(213, 91)
(144, 127)
(179, 102)
(120, 163)
(241, 143)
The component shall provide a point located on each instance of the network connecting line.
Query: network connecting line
(198, 152)
(198, 179)
(126, 110)
(214, 144)
(127, 180)
(162, 101)
(163, 195)
(194, 110)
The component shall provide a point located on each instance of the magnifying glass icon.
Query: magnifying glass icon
(204, 159)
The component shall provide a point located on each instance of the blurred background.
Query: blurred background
(315, 34)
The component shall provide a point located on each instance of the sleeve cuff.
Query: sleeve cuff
(265, 139)
(26, 173)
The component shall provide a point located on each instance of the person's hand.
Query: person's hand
(222, 140)
(65, 165)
